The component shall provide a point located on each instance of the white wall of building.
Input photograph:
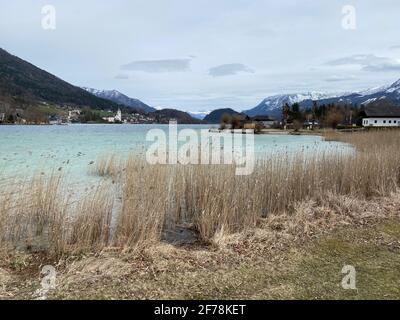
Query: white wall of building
(118, 117)
(381, 122)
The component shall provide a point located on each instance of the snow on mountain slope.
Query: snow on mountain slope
(394, 88)
(272, 106)
(118, 97)
(374, 90)
(199, 114)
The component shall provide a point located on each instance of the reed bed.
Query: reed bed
(33, 214)
(90, 229)
(210, 200)
(107, 166)
(363, 140)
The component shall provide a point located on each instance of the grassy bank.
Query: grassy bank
(297, 256)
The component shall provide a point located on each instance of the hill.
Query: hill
(164, 115)
(215, 116)
(24, 85)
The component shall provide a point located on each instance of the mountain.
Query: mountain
(164, 115)
(24, 85)
(215, 116)
(120, 98)
(272, 106)
(199, 114)
(391, 93)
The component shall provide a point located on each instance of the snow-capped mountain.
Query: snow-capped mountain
(394, 88)
(272, 106)
(120, 98)
(199, 114)
(388, 92)
(374, 90)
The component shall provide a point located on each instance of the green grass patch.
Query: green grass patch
(375, 254)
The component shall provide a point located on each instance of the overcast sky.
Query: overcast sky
(205, 54)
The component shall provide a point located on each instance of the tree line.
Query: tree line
(325, 115)
(329, 115)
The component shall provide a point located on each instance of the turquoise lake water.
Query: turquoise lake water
(25, 150)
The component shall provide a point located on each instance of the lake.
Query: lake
(25, 150)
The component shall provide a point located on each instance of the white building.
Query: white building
(73, 115)
(116, 118)
(381, 122)
(381, 116)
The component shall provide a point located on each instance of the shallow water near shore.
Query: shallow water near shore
(73, 149)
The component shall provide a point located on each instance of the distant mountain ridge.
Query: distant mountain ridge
(120, 98)
(390, 93)
(23, 84)
(199, 114)
(272, 106)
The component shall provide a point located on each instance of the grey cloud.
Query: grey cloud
(395, 47)
(369, 63)
(158, 66)
(384, 67)
(229, 69)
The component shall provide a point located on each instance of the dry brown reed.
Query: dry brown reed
(32, 215)
(90, 227)
(213, 198)
(145, 198)
(107, 166)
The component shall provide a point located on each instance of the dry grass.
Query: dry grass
(145, 198)
(90, 229)
(32, 215)
(211, 200)
(107, 166)
(364, 140)
(38, 216)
